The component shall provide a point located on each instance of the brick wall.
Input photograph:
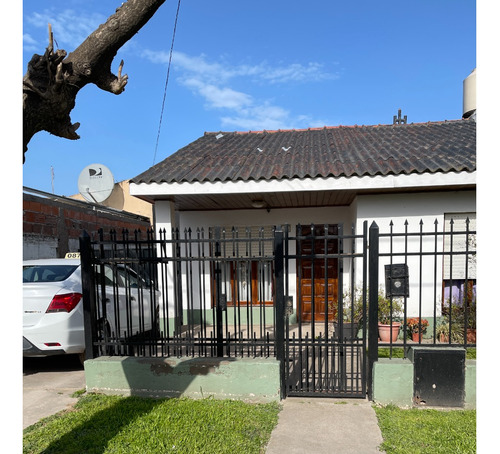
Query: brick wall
(52, 226)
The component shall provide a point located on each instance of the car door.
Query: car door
(138, 292)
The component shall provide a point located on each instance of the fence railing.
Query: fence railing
(203, 293)
(214, 292)
(429, 292)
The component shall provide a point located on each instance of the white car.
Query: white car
(53, 308)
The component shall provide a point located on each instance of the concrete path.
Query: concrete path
(319, 425)
(48, 384)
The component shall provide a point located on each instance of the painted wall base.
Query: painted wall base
(393, 382)
(247, 379)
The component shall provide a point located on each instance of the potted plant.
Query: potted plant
(471, 321)
(388, 311)
(444, 332)
(352, 314)
(459, 316)
(416, 327)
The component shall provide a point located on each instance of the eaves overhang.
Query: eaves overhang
(299, 192)
(159, 191)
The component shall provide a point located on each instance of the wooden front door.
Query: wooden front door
(317, 273)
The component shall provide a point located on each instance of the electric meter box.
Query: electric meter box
(438, 376)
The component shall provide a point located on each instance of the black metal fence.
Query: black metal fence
(202, 293)
(429, 292)
(311, 296)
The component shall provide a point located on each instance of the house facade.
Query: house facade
(403, 177)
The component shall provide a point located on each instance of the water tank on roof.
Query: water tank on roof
(469, 106)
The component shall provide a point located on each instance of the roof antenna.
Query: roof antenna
(398, 120)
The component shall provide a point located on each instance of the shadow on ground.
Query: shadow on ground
(58, 363)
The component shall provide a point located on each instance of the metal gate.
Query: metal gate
(325, 336)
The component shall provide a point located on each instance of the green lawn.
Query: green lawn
(112, 424)
(418, 431)
(398, 352)
(122, 425)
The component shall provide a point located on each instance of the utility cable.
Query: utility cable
(166, 82)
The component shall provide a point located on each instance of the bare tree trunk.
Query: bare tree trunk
(53, 80)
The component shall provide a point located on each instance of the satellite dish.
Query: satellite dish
(96, 183)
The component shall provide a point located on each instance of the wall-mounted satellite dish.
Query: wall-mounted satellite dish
(96, 183)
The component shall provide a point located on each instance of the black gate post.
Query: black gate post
(218, 292)
(280, 307)
(373, 273)
(88, 296)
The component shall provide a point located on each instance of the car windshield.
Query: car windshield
(47, 273)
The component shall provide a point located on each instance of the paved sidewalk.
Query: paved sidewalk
(319, 425)
(48, 384)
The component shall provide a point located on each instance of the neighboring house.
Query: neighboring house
(341, 175)
(120, 199)
(52, 224)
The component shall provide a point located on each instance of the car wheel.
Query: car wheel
(104, 332)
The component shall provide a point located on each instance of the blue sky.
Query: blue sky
(251, 65)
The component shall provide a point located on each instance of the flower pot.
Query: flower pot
(471, 335)
(349, 330)
(416, 337)
(388, 333)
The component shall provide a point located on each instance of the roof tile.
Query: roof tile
(321, 152)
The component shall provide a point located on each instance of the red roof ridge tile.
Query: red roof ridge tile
(319, 128)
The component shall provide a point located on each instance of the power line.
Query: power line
(166, 82)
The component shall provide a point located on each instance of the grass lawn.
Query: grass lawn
(427, 431)
(398, 352)
(113, 424)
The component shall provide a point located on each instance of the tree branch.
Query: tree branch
(53, 80)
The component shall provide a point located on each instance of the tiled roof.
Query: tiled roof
(321, 152)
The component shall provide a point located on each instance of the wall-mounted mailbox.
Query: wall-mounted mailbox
(397, 280)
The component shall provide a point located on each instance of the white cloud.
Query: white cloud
(69, 28)
(257, 118)
(269, 117)
(312, 72)
(211, 81)
(262, 72)
(219, 97)
(29, 44)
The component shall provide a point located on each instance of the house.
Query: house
(344, 175)
(120, 199)
(263, 240)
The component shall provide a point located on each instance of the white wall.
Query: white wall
(292, 216)
(275, 217)
(414, 208)
(37, 247)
